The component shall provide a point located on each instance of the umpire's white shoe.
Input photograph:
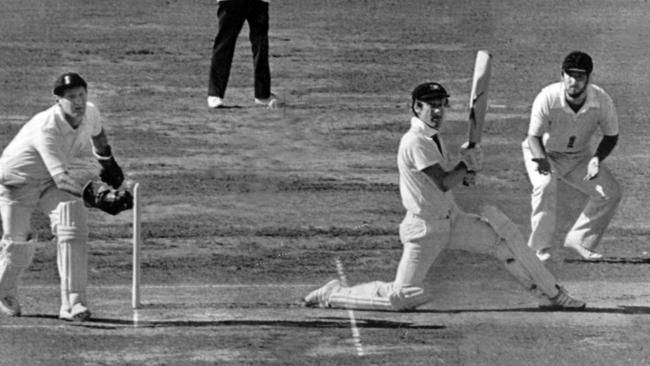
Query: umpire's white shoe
(215, 102)
(78, 312)
(544, 254)
(320, 297)
(585, 253)
(9, 306)
(271, 101)
(562, 301)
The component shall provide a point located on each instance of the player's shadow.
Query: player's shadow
(618, 260)
(233, 106)
(623, 309)
(330, 322)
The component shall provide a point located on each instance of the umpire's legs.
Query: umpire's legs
(230, 16)
(258, 22)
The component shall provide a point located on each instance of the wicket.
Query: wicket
(137, 241)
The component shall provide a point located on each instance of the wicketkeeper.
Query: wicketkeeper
(34, 175)
(433, 222)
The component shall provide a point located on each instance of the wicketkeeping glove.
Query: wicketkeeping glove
(111, 173)
(473, 158)
(103, 197)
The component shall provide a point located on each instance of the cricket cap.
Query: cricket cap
(429, 91)
(578, 61)
(66, 81)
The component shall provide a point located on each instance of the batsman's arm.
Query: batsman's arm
(446, 180)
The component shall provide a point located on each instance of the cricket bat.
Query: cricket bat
(479, 97)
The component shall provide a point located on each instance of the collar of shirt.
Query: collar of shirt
(64, 125)
(590, 102)
(420, 127)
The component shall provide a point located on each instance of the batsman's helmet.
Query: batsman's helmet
(68, 80)
(429, 91)
(578, 61)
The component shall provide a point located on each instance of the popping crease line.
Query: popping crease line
(356, 335)
(128, 286)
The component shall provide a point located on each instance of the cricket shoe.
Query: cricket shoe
(562, 301)
(320, 297)
(215, 102)
(78, 312)
(584, 252)
(9, 306)
(271, 102)
(543, 254)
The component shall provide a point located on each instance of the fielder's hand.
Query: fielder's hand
(103, 197)
(543, 166)
(592, 168)
(473, 158)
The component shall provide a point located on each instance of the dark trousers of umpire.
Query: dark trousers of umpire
(231, 15)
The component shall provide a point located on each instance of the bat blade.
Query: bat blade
(479, 96)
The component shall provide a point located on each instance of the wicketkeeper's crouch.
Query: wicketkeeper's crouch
(433, 221)
(34, 175)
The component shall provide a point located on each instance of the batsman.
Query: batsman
(34, 174)
(433, 222)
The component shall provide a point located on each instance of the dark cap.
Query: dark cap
(578, 61)
(67, 81)
(429, 91)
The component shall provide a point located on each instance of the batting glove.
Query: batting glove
(472, 157)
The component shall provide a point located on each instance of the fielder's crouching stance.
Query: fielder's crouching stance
(33, 175)
(433, 221)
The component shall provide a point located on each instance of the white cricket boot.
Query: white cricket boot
(320, 297)
(215, 102)
(562, 301)
(73, 307)
(585, 253)
(9, 306)
(271, 102)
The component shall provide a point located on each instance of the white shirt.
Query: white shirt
(564, 130)
(45, 146)
(417, 151)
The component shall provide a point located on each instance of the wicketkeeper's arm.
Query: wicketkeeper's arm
(111, 173)
(66, 183)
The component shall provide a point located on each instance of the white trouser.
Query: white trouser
(17, 203)
(604, 196)
(423, 241)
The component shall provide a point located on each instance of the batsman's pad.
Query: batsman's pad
(14, 258)
(517, 257)
(72, 238)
